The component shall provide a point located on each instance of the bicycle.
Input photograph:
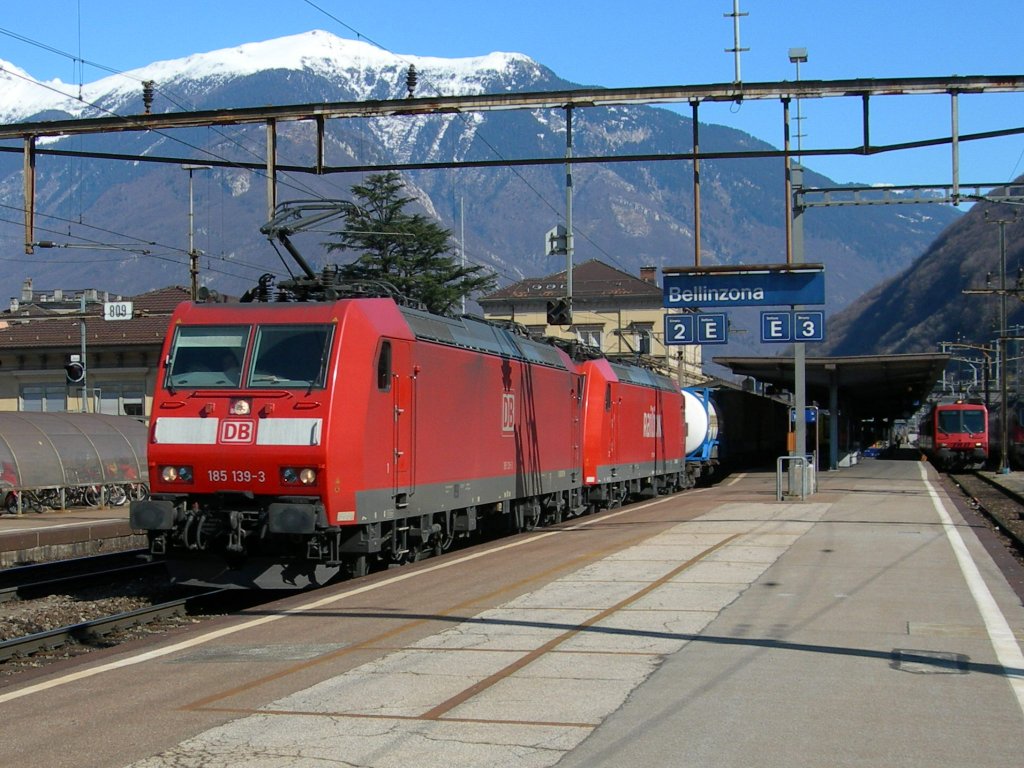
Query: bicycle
(30, 500)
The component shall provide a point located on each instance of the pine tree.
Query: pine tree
(407, 250)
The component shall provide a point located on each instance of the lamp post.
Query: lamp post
(193, 254)
(794, 185)
(798, 56)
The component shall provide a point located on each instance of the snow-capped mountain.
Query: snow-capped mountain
(626, 214)
(368, 73)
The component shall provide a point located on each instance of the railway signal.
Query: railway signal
(74, 370)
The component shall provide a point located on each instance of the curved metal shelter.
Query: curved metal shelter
(54, 450)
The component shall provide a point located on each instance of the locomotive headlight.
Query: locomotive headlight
(294, 476)
(176, 474)
(240, 406)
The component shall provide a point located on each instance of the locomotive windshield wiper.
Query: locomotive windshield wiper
(320, 374)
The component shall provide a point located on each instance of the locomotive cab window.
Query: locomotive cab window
(384, 367)
(957, 421)
(207, 356)
(290, 356)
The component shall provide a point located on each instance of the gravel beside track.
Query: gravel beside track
(24, 617)
(1000, 509)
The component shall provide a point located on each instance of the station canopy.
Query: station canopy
(872, 386)
(51, 450)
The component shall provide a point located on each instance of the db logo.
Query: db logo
(508, 413)
(237, 432)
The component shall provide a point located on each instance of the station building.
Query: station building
(613, 311)
(41, 330)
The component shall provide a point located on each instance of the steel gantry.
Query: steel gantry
(29, 133)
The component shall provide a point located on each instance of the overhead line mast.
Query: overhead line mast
(736, 50)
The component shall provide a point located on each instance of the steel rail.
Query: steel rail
(51, 586)
(88, 631)
(21, 575)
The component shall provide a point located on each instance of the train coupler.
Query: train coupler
(158, 544)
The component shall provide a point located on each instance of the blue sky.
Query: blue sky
(614, 43)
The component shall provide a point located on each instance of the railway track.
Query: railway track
(1003, 509)
(51, 611)
(37, 580)
(90, 632)
(80, 602)
(54, 609)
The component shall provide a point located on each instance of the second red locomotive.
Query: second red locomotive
(294, 442)
(954, 435)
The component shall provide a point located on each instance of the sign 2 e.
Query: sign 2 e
(704, 328)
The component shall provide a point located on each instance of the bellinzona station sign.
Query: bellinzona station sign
(753, 286)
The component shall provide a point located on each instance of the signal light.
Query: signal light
(559, 312)
(74, 370)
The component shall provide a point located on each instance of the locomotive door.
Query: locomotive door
(577, 427)
(655, 431)
(613, 427)
(403, 396)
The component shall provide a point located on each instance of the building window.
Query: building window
(43, 398)
(120, 398)
(590, 335)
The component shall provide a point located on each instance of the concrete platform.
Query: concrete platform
(1013, 482)
(867, 625)
(59, 534)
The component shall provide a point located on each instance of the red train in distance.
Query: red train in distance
(955, 435)
(295, 442)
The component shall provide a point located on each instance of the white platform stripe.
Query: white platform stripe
(1004, 642)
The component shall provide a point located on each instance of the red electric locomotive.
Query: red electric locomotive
(634, 433)
(294, 442)
(955, 435)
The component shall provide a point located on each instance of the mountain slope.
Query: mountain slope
(626, 214)
(925, 304)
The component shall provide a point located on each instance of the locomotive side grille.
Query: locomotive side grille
(289, 432)
(185, 431)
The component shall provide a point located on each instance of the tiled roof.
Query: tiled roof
(36, 326)
(590, 280)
